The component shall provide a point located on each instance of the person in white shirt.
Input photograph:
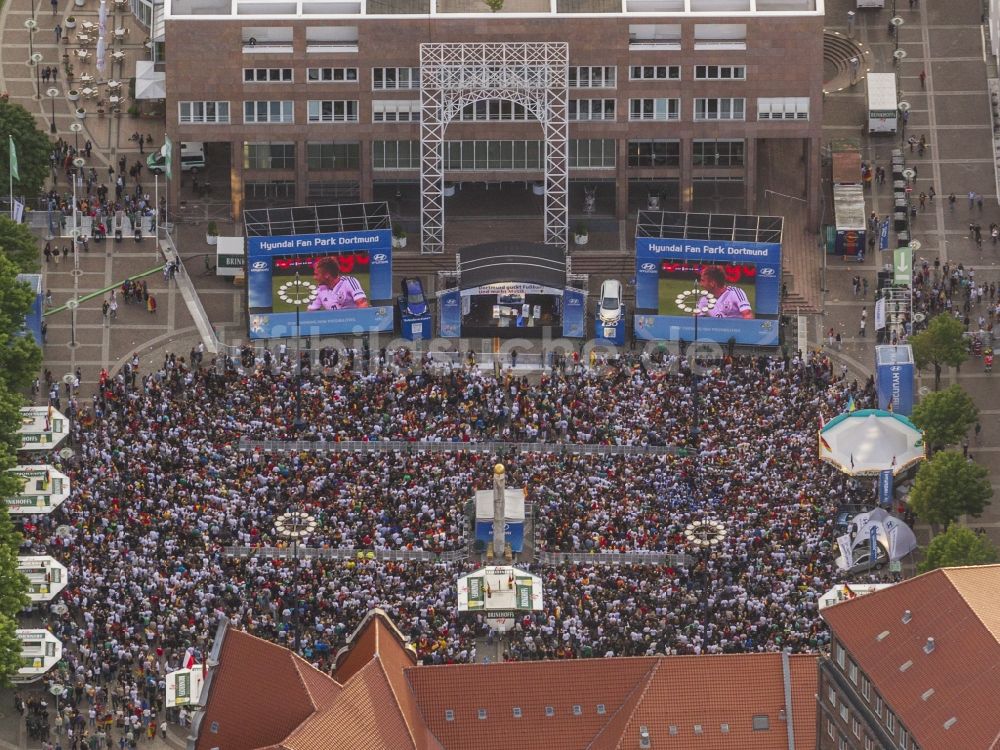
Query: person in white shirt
(730, 301)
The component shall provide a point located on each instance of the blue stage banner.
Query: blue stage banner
(708, 251)
(895, 387)
(883, 235)
(614, 333)
(513, 533)
(885, 488)
(416, 327)
(450, 314)
(673, 328)
(574, 313)
(356, 322)
(872, 544)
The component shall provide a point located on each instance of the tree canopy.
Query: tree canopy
(949, 486)
(32, 147)
(945, 416)
(939, 345)
(20, 357)
(958, 546)
(19, 244)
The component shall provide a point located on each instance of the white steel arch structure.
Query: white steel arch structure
(454, 75)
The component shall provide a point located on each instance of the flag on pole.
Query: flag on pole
(189, 658)
(13, 159)
(851, 406)
(168, 151)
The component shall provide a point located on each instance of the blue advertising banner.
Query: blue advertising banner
(340, 274)
(883, 235)
(513, 533)
(872, 544)
(450, 314)
(744, 278)
(885, 488)
(895, 387)
(613, 333)
(574, 313)
(415, 327)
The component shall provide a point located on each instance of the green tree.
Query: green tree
(948, 486)
(940, 344)
(32, 146)
(945, 416)
(10, 649)
(20, 357)
(958, 546)
(19, 244)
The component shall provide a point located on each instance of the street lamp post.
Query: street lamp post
(32, 26)
(704, 535)
(896, 22)
(33, 62)
(76, 127)
(295, 525)
(298, 292)
(52, 92)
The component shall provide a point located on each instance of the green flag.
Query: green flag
(13, 160)
(168, 152)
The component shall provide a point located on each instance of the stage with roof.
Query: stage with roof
(512, 289)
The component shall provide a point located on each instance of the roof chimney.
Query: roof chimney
(929, 646)
(907, 616)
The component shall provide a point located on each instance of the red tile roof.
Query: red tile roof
(258, 694)
(385, 702)
(957, 607)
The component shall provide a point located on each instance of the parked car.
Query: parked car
(413, 300)
(609, 309)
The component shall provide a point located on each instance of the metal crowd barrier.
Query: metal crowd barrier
(326, 553)
(613, 558)
(487, 446)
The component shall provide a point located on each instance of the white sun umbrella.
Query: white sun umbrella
(867, 441)
(102, 18)
(101, 56)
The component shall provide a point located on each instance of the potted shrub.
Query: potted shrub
(580, 234)
(79, 3)
(212, 233)
(70, 24)
(398, 236)
(73, 95)
(80, 113)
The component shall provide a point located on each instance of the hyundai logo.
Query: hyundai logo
(647, 267)
(380, 258)
(574, 301)
(259, 265)
(452, 302)
(766, 271)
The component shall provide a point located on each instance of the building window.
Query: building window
(829, 728)
(654, 109)
(396, 110)
(869, 743)
(332, 110)
(844, 712)
(494, 109)
(866, 688)
(396, 154)
(655, 72)
(904, 739)
(270, 112)
(720, 36)
(856, 726)
(718, 153)
(720, 72)
(783, 108)
(878, 706)
(654, 153)
(332, 75)
(269, 156)
(852, 672)
(591, 109)
(842, 743)
(841, 656)
(395, 78)
(719, 109)
(333, 155)
(593, 153)
(270, 190)
(475, 156)
(344, 191)
(593, 77)
(890, 722)
(831, 696)
(206, 113)
(267, 75)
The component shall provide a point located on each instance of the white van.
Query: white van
(192, 157)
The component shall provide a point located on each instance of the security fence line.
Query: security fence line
(487, 446)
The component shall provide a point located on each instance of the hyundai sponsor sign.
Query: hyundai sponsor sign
(337, 282)
(894, 374)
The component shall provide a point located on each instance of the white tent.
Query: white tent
(868, 441)
(891, 534)
(149, 83)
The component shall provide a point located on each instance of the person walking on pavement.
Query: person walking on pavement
(864, 287)
(951, 201)
(923, 73)
(979, 202)
(931, 192)
(58, 31)
(864, 322)
(972, 199)
(55, 6)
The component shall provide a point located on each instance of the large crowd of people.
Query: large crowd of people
(161, 487)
